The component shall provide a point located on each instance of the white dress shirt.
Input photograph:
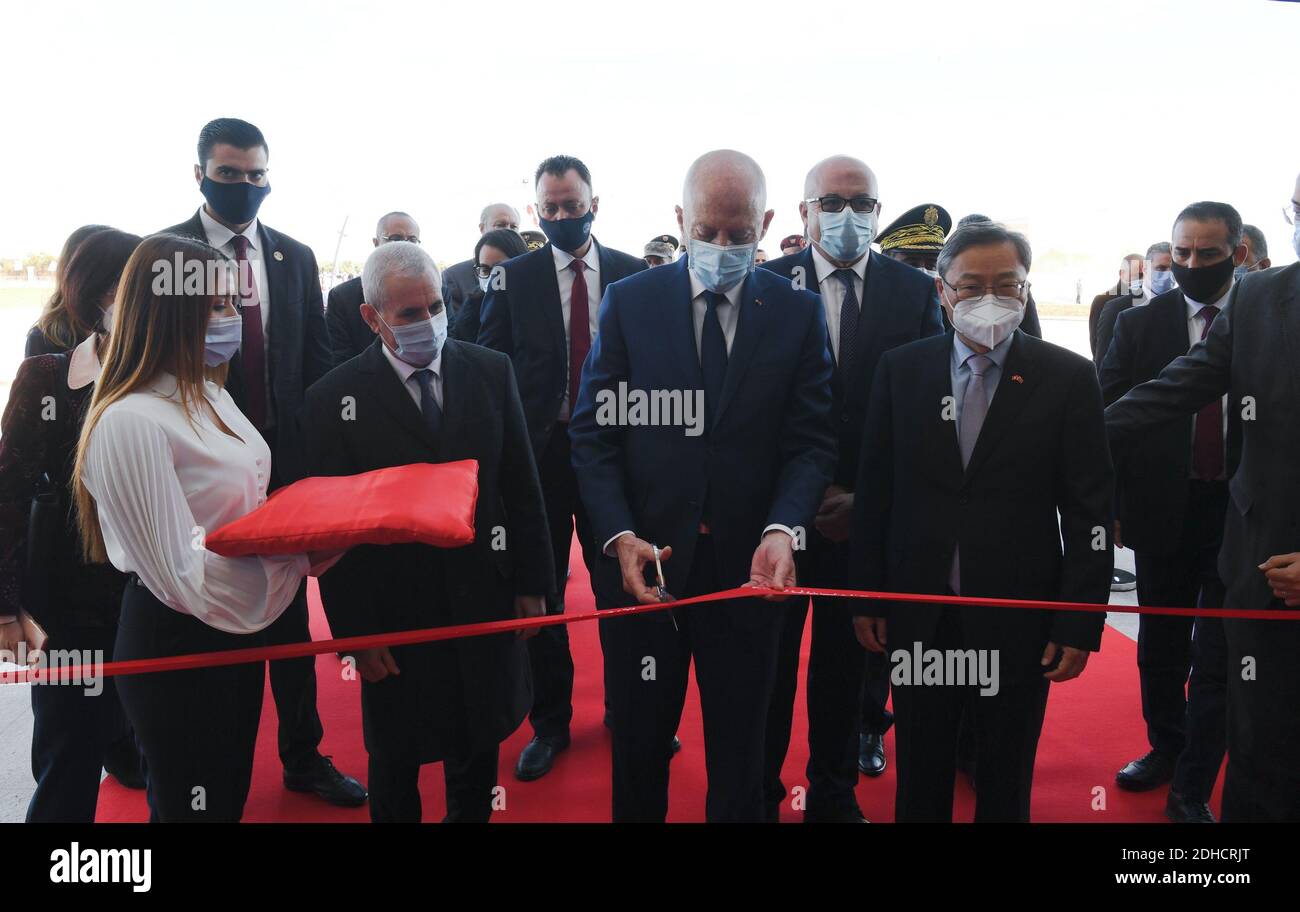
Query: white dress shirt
(564, 275)
(1195, 326)
(222, 238)
(406, 373)
(161, 483)
(832, 292)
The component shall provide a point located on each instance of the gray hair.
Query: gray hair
(1257, 242)
(400, 258)
(1159, 247)
(981, 234)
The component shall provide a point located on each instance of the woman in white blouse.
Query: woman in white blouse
(166, 457)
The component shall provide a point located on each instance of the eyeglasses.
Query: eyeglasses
(388, 238)
(1291, 212)
(1005, 292)
(835, 203)
(484, 272)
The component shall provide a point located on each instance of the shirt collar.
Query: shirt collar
(1194, 307)
(961, 352)
(825, 267)
(732, 294)
(404, 370)
(563, 258)
(219, 235)
(83, 366)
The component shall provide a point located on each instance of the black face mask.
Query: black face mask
(236, 203)
(1203, 283)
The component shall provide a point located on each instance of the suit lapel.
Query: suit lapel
(936, 387)
(280, 319)
(1014, 388)
(393, 394)
(552, 306)
(1174, 317)
(751, 323)
(1288, 318)
(453, 388)
(809, 270)
(680, 324)
(877, 287)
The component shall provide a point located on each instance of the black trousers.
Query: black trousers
(647, 662)
(1207, 712)
(548, 652)
(836, 664)
(395, 792)
(876, 717)
(196, 728)
(74, 727)
(1006, 727)
(1186, 577)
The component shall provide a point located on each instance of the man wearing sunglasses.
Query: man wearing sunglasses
(349, 334)
(872, 303)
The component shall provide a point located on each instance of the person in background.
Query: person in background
(871, 304)
(75, 734)
(792, 244)
(422, 398)
(1129, 272)
(534, 239)
(541, 310)
(54, 331)
(164, 451)
(760, 257)
(1153, 278)
(460, 280)
(349, 334)
(284, 348)
(660, 250)
(917, 236)
(1256, 251)
(493, 248)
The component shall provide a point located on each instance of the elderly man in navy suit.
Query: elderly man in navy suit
(725, 470)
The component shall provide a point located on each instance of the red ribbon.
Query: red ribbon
(433, 634)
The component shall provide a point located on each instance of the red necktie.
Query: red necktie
(579, 330)
(253, 350)
(1207, 442)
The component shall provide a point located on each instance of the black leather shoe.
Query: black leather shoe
(1146, 772)
(122, 761)
(871, 754)
(677, 744)
(537, 756)
(321, 777)
(1179, 810)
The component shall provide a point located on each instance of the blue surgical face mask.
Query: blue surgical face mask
(1160, 281)
(1295, 238)
(222, 339)
(1239, 271)
(236, 203)
(846, 235)
(568, 234)
(720, 268)
(419, 343)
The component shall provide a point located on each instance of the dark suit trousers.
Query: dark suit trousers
(836, 663)
(293, 681)
(548, 652)
(647, 663)
(196, 728)
(876, 717)
(1006, 725)
(1187, 577)
(395, 788)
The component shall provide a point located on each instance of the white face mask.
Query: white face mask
(987, 320)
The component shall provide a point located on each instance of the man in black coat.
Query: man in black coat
(349, 334)
(414, 397)
(979, 439)
(1153, 280)
(285, 350)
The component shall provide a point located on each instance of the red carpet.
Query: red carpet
(1094, 726)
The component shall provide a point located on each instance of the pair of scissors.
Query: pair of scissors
(660, 589)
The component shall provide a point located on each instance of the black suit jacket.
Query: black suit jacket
(349, 334)
(469, 319)
(1151, 482)
(457, 695)
(459, 281)
(1042, 450)
(522, 317)
(1110, 312)
(298, 345)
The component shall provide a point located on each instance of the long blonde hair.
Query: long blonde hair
(158, 328)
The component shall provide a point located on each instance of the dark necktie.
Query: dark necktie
(252, 353)
(713, 355)
(579, 330)
(849, 311)
(429, 407)
(1207, 441)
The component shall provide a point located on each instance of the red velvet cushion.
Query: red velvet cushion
(426, 502)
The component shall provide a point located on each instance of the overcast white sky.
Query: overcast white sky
(1088, 123)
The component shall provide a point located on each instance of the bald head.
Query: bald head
(498, 215)
(848, 178)
(396, 226)
(724, 199)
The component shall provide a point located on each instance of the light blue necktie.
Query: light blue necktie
(974, 409)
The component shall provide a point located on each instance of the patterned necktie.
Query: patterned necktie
(1207, 441)
(849, 312)
(252, 353)
(713, 355)
(579, 330)
(429, 407)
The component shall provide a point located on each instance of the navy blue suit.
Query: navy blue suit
(764, 458)
(522, 316)
(899, 305)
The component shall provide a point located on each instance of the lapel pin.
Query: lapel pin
(758, 301)
(1016, 378)
(279, 257)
